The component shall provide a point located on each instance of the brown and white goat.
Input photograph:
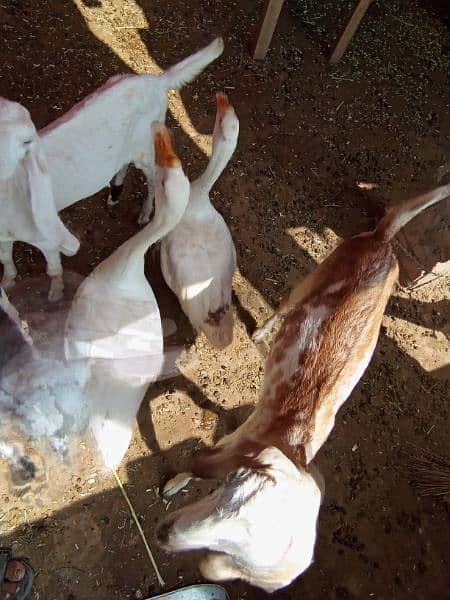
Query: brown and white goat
(261, 523)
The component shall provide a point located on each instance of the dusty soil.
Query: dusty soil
(309, 134)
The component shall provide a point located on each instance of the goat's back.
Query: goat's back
(109, 129)
(324, 345)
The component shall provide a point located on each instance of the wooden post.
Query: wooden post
(268, 22)
(349, 30)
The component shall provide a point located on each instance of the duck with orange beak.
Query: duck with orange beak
(198, 257)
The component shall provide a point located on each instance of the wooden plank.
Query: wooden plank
(267, 24)
(349, 30)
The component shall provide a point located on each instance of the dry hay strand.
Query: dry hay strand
(429, 473)
(161, 581)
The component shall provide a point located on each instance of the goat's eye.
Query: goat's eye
(27, 142)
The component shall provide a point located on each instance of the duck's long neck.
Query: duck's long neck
(129, 258)
(221, 153)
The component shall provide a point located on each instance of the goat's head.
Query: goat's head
(17, 136)
(21, 148)
(260, 524)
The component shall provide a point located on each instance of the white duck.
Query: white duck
(114, 320)
(113, 340)
(198, 256)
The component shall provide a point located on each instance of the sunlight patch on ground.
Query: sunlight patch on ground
(433, 352)
(252, 297)
(323, 244)
(121, 35)
(186, 421)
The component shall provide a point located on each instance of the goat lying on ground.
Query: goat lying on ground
(198, 257)
(84, 149)
(113, 345)
(261, 523)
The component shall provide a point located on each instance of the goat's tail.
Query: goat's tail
(186, 70)
(400, 215)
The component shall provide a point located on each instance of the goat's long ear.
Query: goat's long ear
(43, 206)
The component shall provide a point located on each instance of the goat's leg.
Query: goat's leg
(177, 483)
(147, 207)
(13, 314)
(218, 566)
(295, 296)
(263, 331)
(9, 268)
(116, 187)
(259, 335)
(55, 272)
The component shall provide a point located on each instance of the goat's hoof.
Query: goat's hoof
(174, 485)
(143, 219)
(7, 284)
(258, 335)
(111, 202)
(259, 339)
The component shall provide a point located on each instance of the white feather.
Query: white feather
(198, 257)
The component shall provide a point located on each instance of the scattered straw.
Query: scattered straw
(161, 581)
(429, 473)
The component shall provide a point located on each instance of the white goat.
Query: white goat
(113, 342)
(198, 256)
(261, 523)
(84, 149)
(26, 201)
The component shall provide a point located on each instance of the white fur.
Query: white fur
(263, 524)
(113, 348)
(334, 287)
(27, 205)
(79, 154)
(101, 135)
(115, 323)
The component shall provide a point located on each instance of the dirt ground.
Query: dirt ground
(309, 134)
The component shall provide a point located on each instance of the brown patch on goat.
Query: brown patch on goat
(360, 274)
(277, 356)
(332, 319)
(327, 359)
